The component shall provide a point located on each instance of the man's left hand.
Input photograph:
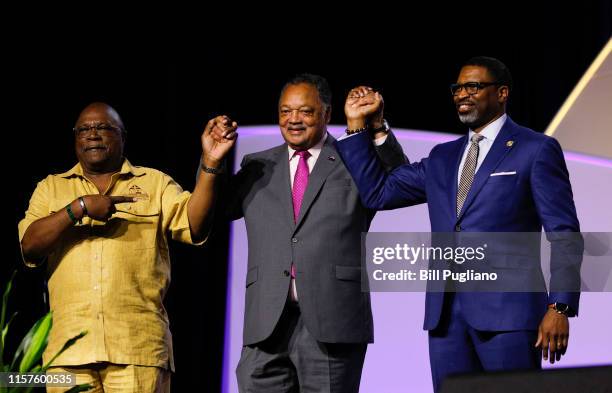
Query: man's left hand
(553, 335)
(218, 138)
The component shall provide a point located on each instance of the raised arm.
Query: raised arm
(218, 138)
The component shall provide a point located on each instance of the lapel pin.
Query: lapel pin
(509, 143)
(331, 158)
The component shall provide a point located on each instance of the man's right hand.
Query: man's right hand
(102, 207)
(363, 105)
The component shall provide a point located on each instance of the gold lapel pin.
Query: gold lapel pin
(509, 143)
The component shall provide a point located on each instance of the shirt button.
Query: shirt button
(294, 240)
(286, 273)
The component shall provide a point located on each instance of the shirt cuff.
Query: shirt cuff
(377, 141)
(381, 140)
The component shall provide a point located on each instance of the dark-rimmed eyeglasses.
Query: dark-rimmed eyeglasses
(471, 88)
(101, 129)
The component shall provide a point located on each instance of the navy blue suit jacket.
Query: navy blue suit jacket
(538, 195)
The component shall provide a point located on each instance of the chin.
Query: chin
(469, 119)
(295, 143)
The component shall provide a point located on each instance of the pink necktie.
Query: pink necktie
(300, 182)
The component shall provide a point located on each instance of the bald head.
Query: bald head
(101, 151)
(100, 111)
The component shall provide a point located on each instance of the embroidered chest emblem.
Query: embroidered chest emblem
(137, 192)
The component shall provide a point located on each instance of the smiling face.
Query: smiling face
(302, 116)
(478, 110)
(99, 139)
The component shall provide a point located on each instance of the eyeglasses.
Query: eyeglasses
(101, 128)
(471, 88)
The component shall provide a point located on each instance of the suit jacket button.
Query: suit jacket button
(457, 228)
(294, 240)
(286, 273)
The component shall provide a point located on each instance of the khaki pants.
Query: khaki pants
(117, 378)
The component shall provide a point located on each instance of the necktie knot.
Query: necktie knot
(303, 154)
(477, 138)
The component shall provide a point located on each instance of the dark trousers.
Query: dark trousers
(291, 360)
(455, 347)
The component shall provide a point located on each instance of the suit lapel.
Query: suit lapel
(319, 173)
(498, 151)
(280, 182)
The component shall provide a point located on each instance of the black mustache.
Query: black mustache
(95, 147)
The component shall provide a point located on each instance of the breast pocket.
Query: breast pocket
(337, 189)
(252, 276)
(502, 183)
(135, 224)
(338, 184)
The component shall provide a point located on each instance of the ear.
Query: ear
(502, 94)
(328, 114)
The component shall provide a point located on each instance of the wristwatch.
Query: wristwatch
(561, 308)
(385, 127)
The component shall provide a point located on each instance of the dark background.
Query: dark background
(167, 85)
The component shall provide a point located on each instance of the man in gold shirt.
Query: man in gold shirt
(102, 227)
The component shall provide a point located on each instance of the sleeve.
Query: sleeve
(554, 202)
(236, 187)
(379, 190)
(37, 209)
(175, 219)
(390, 152)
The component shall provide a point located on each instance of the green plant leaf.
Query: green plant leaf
(33, 344)
(6, 327)
(3, 340)
(5, 296)
(70, 342)
(80, 388)
(33, 354)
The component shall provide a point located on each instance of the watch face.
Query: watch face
(385, 125)
(561, 307)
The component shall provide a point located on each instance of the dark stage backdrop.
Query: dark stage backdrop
(166, 88)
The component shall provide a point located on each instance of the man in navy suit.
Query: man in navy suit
(501, 177)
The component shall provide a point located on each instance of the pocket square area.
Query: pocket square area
(503, 173)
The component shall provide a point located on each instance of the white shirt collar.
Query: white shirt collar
(314, 151)
(490, 132)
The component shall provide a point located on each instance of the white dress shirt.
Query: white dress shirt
(489, 133)
(311, 161)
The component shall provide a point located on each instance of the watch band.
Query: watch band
(207, 169)
(385, 127)
(561, 308)
(82, 203)
(356, 131)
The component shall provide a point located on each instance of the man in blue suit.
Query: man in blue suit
(501, 177)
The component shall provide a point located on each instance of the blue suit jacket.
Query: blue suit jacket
(539, 195)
